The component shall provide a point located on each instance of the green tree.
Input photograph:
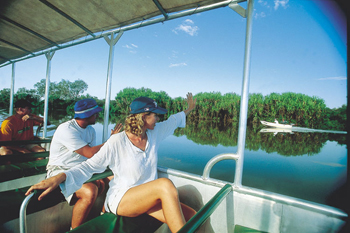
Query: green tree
(64, 90)
(5, 98)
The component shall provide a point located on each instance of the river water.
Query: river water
(307, 165)
(284, 163)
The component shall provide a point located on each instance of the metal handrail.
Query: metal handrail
(23, 209)
(23, 213)
(215, 160)
(204, 213)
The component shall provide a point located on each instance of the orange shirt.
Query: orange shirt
(14, 128)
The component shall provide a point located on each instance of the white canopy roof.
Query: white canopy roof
(31, 26)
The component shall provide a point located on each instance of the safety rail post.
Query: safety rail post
(49, 56)
(12, 91)
(242, 129)
(111, 42)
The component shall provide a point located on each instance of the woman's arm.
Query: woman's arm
(191, 103)
(73, 178)
(49, 185)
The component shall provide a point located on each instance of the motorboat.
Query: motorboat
(276, 124)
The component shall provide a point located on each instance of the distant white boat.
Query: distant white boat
(277, 125)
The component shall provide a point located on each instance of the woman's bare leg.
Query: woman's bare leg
(153, 197)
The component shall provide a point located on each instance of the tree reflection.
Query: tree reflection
(286, 144)
(216, 133)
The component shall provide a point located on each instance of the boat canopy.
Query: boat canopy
(31, 28)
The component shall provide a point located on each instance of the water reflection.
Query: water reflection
(287, 142)
(283, 141)
(307, 165)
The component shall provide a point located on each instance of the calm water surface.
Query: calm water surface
(311, 166)
(315, 176)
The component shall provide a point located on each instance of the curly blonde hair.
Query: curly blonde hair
(134, 123)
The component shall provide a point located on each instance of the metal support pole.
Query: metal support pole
(12, 91)
(244, 98)
(49, 56)
(111, 42)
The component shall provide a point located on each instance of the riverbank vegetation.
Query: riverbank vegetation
(296, 108)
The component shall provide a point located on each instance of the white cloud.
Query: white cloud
(174, 54)
(131, 48)
(188, 27)
(262, 2)
(282, 3)
(178, 64)
(334, 78)
(189, 21)
(260, 15)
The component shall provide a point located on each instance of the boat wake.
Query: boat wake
(307, 130)
(300, 130)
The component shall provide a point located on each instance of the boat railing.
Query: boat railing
(215, 160)
(20, 165)
(53, 198)
(191, 226)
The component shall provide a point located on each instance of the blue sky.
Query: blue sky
(297, 46)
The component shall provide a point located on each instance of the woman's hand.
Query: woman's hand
(191, 103)
(49, 185)
(117, 128)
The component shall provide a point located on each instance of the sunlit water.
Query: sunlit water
(319, 177)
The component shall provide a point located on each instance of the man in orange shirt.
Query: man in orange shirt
(20, 127)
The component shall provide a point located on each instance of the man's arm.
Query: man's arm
(88, 151)
(35, 118)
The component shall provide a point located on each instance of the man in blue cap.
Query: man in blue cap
(73, 142)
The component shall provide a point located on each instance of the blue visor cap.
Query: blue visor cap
(145, 104)
(86, 108)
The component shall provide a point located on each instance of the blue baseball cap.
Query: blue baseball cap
(86, 108)
(145, 104)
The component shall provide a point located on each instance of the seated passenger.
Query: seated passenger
(20, 127)
(73, 142)
(132, 156)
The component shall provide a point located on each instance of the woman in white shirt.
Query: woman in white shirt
(132, 157)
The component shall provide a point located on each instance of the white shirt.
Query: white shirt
(130, 165)
(68, 138)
